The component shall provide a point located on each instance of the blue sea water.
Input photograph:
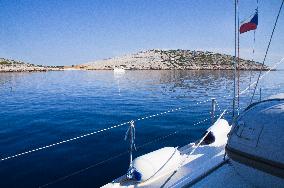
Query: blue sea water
(38, 109)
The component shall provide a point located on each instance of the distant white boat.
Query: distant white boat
(118, 70)
(70, 69)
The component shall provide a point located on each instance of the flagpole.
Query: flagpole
(238, 55)
(234, 93)
(253, 47)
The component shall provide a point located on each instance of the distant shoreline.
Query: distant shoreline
(147, 60)
(8, 65)
(28, 69)
(172, 60)
(202, 69)
(53, 70)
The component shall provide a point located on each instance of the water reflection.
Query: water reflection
(117, 76)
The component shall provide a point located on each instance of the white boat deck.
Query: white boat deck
(204, 159)
(225, 176)
(195, 168)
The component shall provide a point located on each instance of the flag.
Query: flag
(251, 25)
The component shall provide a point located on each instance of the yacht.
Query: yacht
(247, 152)
(118, 70)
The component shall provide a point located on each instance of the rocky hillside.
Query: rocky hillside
(170, 60)
(8, 65)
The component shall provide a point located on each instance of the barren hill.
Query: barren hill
(172, 59)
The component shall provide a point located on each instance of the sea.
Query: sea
(169, 108)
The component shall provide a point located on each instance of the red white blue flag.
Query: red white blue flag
(251, 25)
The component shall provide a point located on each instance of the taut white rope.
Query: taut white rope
(93, 133)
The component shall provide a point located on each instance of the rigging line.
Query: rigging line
(238, 66)
(95, 132)
(195, 146)
(270, 69)
(253, 46)
(253, 50)
(246, 89)
(235, 55)
(123, 153)
(119, 155)
(104, 161)
(82, 170)
(267, 50)
(249, 17)
(222, 113)
(218, 106)
(267, 72)
(62, 142)
(200, 141)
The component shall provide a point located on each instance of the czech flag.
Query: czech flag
(251, 25)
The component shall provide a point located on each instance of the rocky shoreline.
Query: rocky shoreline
(7, 65)
(172, 60)
(146, 60)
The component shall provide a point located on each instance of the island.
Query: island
(172, 60)
(146, 60)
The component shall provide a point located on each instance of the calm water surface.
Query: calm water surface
(43, 108)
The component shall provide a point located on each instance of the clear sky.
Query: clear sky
(65, 32)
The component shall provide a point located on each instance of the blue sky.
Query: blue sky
(65, 32)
